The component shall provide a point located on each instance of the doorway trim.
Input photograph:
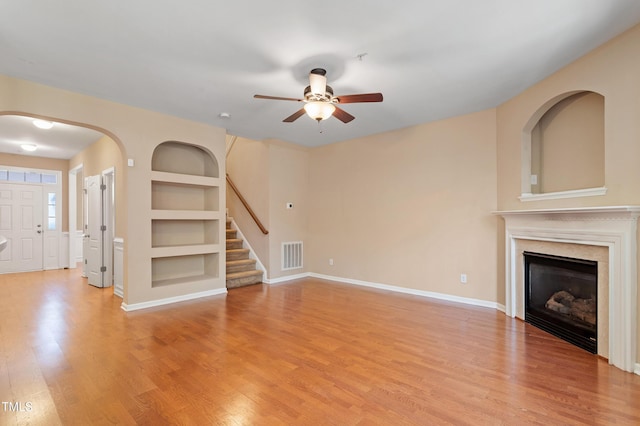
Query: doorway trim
(75, 234)
(53, 252)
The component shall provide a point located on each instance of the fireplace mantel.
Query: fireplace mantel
(613, 227)
(601, 212)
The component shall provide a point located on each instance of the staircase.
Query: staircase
(241, 271)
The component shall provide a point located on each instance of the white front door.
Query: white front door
(94, 256)
(21, 217)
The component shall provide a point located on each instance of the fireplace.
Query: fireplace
(561, 297)
(607, 235)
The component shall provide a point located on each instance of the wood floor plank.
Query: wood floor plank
(304, 352)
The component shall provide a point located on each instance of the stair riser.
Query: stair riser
(241, 282)
(247, 266)
(231, 245)
(241, 268)
(238, 256)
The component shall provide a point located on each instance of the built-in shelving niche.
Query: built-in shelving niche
(184, 269)
(175, 233)
(185, 215)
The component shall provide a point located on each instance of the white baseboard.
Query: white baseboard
(286, 278)
(637, 369)
(429, 294)
(422, 293)
(153, 303)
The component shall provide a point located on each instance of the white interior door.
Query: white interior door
(94, 256)
(21, 217)
(108, 219)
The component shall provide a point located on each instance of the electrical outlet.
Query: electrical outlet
(330, 262)
(463, 278)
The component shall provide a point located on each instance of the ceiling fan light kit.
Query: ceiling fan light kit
(320, 103)
(319, 110)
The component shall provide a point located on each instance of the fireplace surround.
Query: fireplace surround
(606, 235)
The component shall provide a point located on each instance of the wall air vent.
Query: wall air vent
(291, 255)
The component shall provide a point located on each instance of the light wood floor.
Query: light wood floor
(308, 352)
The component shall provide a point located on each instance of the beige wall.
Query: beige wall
(288, 182)
(571, 131)
(98, 157)
(248, 167)
(613, 70)
(137, 132)
(269, 174)
(28, 161)
(410, 208)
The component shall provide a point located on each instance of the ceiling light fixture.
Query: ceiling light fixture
(42, 124)
(319, 110)
(29, 147)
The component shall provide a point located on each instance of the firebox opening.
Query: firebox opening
(561, 297)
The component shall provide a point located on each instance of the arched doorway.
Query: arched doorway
(64, 154)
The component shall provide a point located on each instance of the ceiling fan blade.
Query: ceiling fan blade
(363, 97)
(277, 98)
(293, 117)
(343, 115)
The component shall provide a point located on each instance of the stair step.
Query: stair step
(241, 279)
(237, 254)
(234, 243)
(241, 265)
(231, 233)
(228, 223)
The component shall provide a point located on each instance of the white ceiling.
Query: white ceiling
(197, 59)
(62, 141)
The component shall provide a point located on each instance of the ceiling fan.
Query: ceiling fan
(320, 102)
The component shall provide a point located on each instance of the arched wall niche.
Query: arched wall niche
(184, 158)
(563, 148)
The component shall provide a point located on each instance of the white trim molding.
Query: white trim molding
(415, 292)
(611, 227)
(286, 278)
(397, 289)
(118, 267)
(169, 300)
(575, 193)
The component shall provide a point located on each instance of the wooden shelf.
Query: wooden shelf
(185, 215)
(203, 181)
(184, 250)
(183, 280)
